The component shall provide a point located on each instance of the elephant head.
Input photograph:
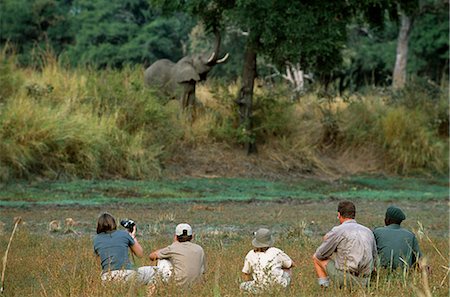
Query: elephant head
(178, 80)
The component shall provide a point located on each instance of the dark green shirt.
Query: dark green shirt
(396, 246)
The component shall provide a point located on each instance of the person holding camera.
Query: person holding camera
(183, 258)
(112, 245)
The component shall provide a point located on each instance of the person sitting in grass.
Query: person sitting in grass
(397, 247)
(265, 266)
(183, 258)
(354, 248)
(112, 245)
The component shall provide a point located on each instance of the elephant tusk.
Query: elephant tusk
(211, 58)
(223, 59)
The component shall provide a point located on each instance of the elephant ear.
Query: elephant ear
(187, 73)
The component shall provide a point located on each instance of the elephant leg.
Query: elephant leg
(191, 97)
(191, 103)
(187, 103)
(183, 101)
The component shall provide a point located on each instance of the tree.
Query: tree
(28, 24)
(310, 32)
(407, 12)
(114, 33)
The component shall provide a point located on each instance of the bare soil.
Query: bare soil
(223, 160)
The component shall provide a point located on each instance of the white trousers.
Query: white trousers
(143, 275)
(256, 287)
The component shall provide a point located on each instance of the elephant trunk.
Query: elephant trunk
(215, 54)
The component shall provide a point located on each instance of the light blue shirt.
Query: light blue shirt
(112, 247)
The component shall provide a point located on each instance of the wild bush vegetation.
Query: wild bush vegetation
(87, 123)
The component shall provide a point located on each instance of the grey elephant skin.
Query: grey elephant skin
(178, 80)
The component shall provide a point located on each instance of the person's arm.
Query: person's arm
(136, 248)
(286, 261)
(154, 255)
(328, 246)
(164, 253)
(247, 269)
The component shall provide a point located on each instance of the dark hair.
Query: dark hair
(105, 223)
(183, 238)
(261, 250)
(347, 209)
(388, 221)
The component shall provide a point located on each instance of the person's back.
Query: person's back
(183, 260)
(354, 249)
(267, 266)
(187, 259)
(112, 247)
(396, 246)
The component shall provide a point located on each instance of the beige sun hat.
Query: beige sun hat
(263, 238)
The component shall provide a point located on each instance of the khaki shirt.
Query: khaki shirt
(188, 260)
(353, 245)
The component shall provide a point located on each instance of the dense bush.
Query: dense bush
(101, 124)
(10, 79)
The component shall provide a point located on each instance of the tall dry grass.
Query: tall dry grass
(80, 123)
(65, 265)
(59, 122)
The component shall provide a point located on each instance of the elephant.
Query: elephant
(178, 80)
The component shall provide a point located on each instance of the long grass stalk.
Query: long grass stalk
(5, 257)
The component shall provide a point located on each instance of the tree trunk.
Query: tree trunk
(245, 98)
(401, 60)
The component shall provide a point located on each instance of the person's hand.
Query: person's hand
(133, 233)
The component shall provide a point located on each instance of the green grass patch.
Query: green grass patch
(95, 192)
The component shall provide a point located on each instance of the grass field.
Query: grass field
(223, 213)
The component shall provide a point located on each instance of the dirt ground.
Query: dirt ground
(222, 160)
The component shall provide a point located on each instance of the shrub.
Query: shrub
(38, 140)
(409, 144)
(360, 123)
(10, 79)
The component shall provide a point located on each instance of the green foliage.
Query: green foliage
(272, 114)
(28, 24)
(116, 33)
(430, 45)
(225, 122)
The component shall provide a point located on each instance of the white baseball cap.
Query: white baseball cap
(179, 230)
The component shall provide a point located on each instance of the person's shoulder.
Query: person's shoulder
(120, 233)
(361, 226)
(250, 253)
(379, 230)
(196, 245)
(275, 250)
(408, 232)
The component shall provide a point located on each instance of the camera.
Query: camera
(128, 224)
